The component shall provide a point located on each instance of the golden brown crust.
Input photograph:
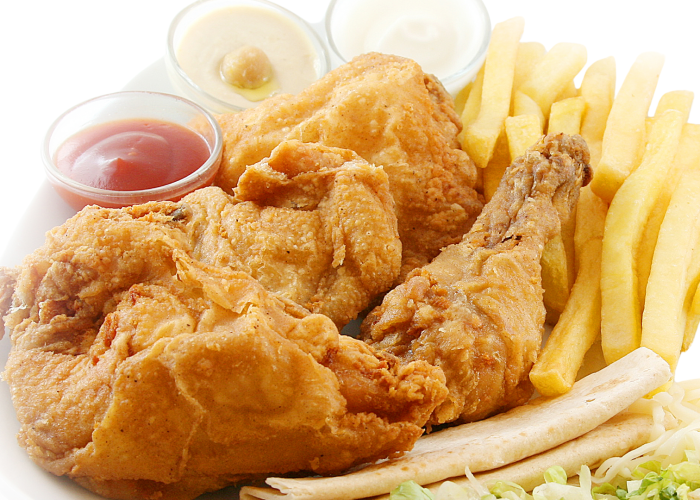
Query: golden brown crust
(476, 311)
(146, 364)
(393, 115)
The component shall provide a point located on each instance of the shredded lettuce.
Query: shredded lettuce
(650, 482)
(410, 490)
(665, 468)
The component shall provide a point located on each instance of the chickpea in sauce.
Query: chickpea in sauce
(250, 71)
(242, 54)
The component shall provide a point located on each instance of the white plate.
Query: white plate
(21, 479)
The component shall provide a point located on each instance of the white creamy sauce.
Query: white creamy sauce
(203, 46)
(438, 34)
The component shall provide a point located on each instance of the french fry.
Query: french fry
(523, 104)
(567, 92)
(687, 157)
(692, 300)
(691, 305)
(529, 55)
(625, 130)
(664, 318)
(565, 115)
(682, 100)
(598, 91)
(462, 96)
(621, 311)
(693, 315)
(555, 278)
(479, 137)
(522, 131)
(554, 73)
(491, 175)
(472, 103)
(579, 324)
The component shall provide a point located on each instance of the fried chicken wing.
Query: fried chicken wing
(142, 372)
(390, 113)
(476, 311)
(313, 223)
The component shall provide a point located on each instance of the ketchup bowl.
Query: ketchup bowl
(131, 147)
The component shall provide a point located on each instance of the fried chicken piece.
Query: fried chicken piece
(143, 373)
(391, 114)
(313, 223)
(8, 278)
(477, 311)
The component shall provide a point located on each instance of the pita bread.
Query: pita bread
(540, 425)
(614, 438)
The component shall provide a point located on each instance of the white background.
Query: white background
(57, 53)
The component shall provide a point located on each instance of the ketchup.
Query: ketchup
(131, 155)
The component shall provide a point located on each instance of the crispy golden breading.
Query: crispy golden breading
(8, 277)
(476, 311)
(142, 372)
(390, 113)
(313, 223)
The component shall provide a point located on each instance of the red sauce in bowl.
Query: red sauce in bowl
(131, 155)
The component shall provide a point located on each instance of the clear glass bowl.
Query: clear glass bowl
(124, 106)
(185, 83)
(448, 38)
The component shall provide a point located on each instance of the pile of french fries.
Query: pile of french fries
(625, 269)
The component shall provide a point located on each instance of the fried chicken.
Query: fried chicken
(477, 311)
(313, 223)
(142, 372)
(390, 113)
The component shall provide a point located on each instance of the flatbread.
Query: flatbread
(528, 430)
(614, 438)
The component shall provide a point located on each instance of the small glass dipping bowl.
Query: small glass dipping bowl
(126, 106)
(267, 25)
(448, 38)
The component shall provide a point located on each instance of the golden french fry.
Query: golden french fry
(568, 228)
(574, 332)
(625, 130)
(691, 304)
(567, 92)
(682, 100)
(693, 315)
(522, 132)
(492, 174)
(687, 157)
(529, 55)
(554, 73)
(590, 221)
(479, 137)
(621, 311)
(472, 104)
(664, 318)
(523, 104)
(558, 268)
(579, 324)
(555, 278)
(692, 300)
(461, 97)
(598, 91)
(565, 115)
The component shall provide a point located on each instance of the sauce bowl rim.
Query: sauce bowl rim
(206, 170)
(319, 45)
